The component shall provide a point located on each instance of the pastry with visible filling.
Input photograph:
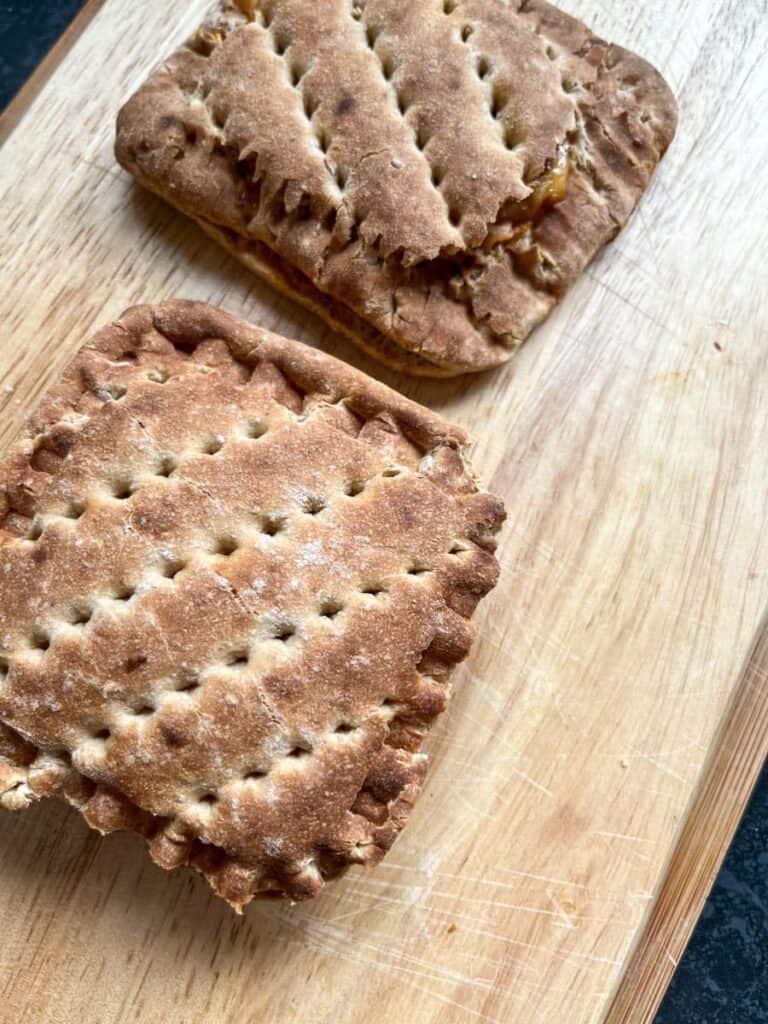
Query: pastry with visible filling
(429, 176)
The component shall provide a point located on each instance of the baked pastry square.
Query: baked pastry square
(235, 575)
(428, 176)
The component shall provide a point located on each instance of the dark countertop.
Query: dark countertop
(723, 977)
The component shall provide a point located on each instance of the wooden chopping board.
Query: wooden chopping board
(609, 725)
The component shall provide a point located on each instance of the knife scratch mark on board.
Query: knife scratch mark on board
(469, 925)
(567, 919)
(621, 835)
(632, 305)
(662, 767)
(492, 904)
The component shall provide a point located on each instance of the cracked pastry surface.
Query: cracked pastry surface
(429, 177)
(235, 575)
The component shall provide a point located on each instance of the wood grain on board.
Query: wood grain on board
(737, 752)
(609, 725)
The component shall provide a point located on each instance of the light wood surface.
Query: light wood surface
(612, 719)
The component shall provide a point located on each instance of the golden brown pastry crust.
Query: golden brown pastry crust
(384, 153)
(235, 575)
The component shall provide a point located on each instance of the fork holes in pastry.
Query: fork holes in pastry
(237, 658)
(457, 548)
(388, 67)
(254, 775)
(168, 464)
(283, 632)
(296, 71)
(35, 530)
(254, 429)
(484, 66)
(392, 471)
(4, 666)
(466, 32)
(212, 445)
(330, 609)
(124, 592)
(172, 567)
(75, 509)
(343, 728)
(116, 391)
(225, 545)
(418, 569)
(512, 137)
(437, 176)
(372, 589)
(298, 751)
(79, 615)
(341, 176)
(144, 710)
(101, 733)
(371, 35)
(158, 375)
(310, 105)
(354, 487)
(122, 488)
(314, 505)
(128, 357)
(272, 525)
(498, 101)
(323, 139)
(188, 684)
(280, 42)
(209, 798)
(40, 640)
(422, 137)
(449, 6)
(454, 216)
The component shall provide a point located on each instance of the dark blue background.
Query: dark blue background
(723, 977)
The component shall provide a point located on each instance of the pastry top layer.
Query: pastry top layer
(380, 113)
(410, 160)
(234, 574)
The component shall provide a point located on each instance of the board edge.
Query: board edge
(25, 97)
(738, 752)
